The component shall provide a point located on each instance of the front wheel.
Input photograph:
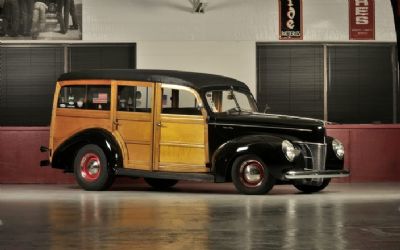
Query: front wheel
(251, 176)
(160, 183)
(312, 188)
(91, 169)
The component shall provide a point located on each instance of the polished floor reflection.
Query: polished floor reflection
(199, 216)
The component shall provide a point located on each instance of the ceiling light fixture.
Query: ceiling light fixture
(199, 6)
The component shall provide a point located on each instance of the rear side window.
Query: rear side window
(93, 97)
(135, 99)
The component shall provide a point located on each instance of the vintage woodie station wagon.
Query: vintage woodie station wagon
(167, 126)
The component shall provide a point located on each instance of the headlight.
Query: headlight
(338, 148)
(289, 150)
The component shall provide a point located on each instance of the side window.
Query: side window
(85, 97)
(180, 102)
(72, 97)
(98, 97)
(135, 99)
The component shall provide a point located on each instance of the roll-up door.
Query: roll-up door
(115, 56)
(290, 79)
(360, 88)
(27, 80)
(28, 74)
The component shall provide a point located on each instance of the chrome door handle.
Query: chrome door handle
(160, 125)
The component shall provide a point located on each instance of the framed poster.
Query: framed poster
(361, 20)
(41, 20)
(290, 20)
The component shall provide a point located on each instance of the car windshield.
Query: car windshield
(227, 101)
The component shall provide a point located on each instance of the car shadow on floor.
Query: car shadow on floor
(186, 187)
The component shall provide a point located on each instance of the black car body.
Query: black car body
(217, 116)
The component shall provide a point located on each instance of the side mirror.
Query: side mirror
(266, 108)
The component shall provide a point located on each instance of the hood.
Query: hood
(269, 120)
(296, 128)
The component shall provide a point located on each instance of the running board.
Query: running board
(206, 177)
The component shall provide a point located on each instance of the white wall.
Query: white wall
(224, 20)
(233, 59)
(221, 41)
(328, 21)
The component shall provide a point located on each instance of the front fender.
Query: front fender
(64, 155)
(267, 147)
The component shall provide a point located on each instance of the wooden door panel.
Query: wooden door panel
(136, 131)
(138, 138)
(180, 139)
(186, 133)
(182, 144)
(134, 122)
(181, 154)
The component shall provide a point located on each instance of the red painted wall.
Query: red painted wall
(20, 157)
(372, 151)
(371, 154)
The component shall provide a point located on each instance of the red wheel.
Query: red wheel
(250, 175)
(91, 168)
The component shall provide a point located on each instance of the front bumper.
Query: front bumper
(313, 174)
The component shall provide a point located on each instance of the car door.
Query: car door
(134, 122)
(180, 130)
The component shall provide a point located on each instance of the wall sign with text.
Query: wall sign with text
(362, 19)
(290, 20)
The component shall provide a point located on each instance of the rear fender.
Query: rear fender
(64, 155)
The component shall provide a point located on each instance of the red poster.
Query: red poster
(362, 19)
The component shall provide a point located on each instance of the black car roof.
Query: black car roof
(197, 81)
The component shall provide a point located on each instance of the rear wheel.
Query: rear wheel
(160, 183)
(91, 168)
(250, 175)
(307, 188)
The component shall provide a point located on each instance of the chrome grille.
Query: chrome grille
(314, 154)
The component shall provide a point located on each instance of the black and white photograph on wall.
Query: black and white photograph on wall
(40, 19)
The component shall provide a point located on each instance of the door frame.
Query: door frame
(133, 116)
(157, 129)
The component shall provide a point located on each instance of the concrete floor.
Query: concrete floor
(199, 216)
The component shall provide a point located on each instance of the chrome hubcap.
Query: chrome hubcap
(252, 173)
(90, 167)
(93, 167)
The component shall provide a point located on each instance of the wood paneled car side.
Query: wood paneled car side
(167, 126)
